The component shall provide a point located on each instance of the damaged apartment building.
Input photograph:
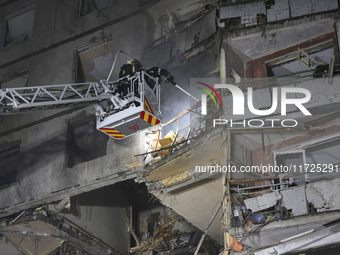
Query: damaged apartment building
(67, 187)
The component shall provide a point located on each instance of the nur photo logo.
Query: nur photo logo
(239, 103)
(204, 97)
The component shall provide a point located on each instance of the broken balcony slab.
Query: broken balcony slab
(322, 195)
(182, 159)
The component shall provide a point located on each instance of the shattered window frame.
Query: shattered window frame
(5, 40)
(81, 73)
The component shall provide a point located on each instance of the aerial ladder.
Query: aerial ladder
(116, 116)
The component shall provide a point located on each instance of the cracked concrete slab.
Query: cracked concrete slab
(263, 202)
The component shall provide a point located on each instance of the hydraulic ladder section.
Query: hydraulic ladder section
(50, 96)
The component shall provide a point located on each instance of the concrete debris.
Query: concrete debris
(167, 232)
(158, 237)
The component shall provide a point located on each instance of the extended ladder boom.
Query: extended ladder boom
(30, 98)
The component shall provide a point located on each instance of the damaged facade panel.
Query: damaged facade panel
(200, 31)
(247, 12)
(324, 195)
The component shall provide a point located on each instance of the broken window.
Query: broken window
(95, 62)
(85, 142)
(9, 160)
(303, 63)
(19, 26)
(89, 6)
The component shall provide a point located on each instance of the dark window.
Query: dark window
(85, 142)
(9, 159)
